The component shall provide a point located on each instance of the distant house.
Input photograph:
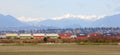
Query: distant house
(38, 36)
(11, 35)
(25, 36)
(65, 35)
(52, 35)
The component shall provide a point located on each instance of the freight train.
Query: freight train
(54, 35)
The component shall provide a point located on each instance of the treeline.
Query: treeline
(103, 30)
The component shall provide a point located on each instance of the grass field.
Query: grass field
(61, 49)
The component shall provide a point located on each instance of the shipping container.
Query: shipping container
(11, 35)
(38, 36)
(65, 35)
(52, 35)
(2, 36)
(95, 35)
(26, 36)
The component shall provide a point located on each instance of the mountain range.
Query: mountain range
(108, 21)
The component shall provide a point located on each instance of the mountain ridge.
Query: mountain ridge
(108, 21)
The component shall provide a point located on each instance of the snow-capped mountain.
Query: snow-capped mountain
(108, 21)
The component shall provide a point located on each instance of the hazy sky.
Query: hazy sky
(47, 9)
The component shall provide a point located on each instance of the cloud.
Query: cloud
(85, 17)
(67, 16)
(118, 9)
(24, 19)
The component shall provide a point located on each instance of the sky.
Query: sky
(38, 10)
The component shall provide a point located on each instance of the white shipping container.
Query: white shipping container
(25, 35)
(38, 34)
(13, 34)
(2, 36)
(52, 35)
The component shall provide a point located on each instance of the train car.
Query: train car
(11, 35)
(38, 36)
(65, 35)
(52, 35)
(26, 36)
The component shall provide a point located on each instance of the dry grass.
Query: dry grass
(61, 49)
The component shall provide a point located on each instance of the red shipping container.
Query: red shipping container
(65, 35)
(95, 35)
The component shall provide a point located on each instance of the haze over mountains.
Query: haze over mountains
(66, 23)
(9, 21)
(108, 21)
